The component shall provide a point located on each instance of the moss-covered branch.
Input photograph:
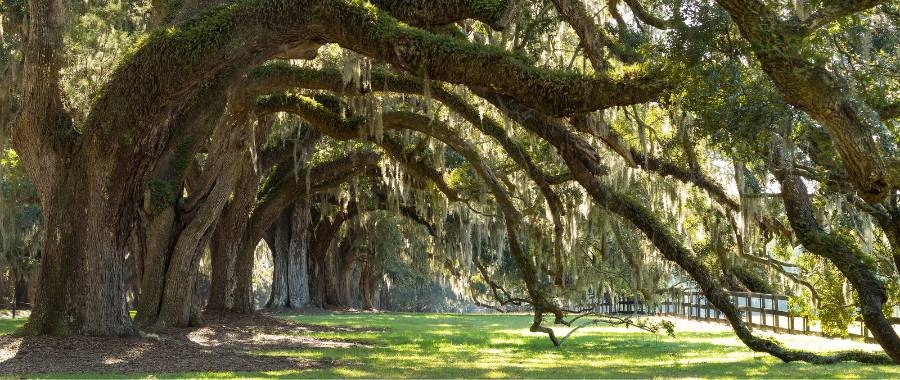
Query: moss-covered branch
(328, 122)
(645, 16)
(288, 186)
(822, 94)
(832, 11)
(594, 37)
(422, 13)
(848, 258)
(660, 235)
(280, 75)
(376, 34)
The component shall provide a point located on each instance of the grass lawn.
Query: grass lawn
(497, 346)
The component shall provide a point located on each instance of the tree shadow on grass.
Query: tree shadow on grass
(222, 345)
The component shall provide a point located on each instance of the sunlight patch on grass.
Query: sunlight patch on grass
(10, 325)
(352, 372)
(404, 345)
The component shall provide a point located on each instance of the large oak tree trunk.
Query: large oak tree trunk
(345, 262)
(83, 199)
(290, 245)
(368, 283)
(321, 240)
(82, 283)
(173, 258)
(316, 281)
(384, 296)
(279, 239)
(244, 302)
(226, 240)
(298, 264)
(332, 277)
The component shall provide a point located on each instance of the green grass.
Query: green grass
(496, 346)
(8, 325)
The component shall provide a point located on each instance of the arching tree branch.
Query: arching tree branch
(655, 230)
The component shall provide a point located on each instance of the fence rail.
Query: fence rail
(760, 310)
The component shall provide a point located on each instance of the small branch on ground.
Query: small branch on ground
(652, 327)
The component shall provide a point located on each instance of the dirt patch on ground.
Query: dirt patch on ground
(221, 345)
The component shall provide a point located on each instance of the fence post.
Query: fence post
(686, 308)
(775, 313)
(706, 306)
(696, 304)
(702, 309)
(762, 311)
(690, 306)
(748, 302)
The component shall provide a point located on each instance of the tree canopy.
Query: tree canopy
(532, 154)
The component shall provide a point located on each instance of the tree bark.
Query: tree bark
(83, 266)
(298, 263)
(369, 278)
(322, 239)
(333, 278)
(279, 239)
(173, 258)
(289, 244)
(82, 286)
(244, 302)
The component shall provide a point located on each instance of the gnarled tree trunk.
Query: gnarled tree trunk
(289, 244)
(320, 243)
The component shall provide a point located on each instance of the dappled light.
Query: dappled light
(450, 188)
(413, 346)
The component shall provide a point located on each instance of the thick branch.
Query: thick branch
(423, 13)
(289, 187)
(42, 130)
(842, 253)
(833, 11)
(593, 37)
(446, 58)
(644, 15)
(332, 123)
(820, 93)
